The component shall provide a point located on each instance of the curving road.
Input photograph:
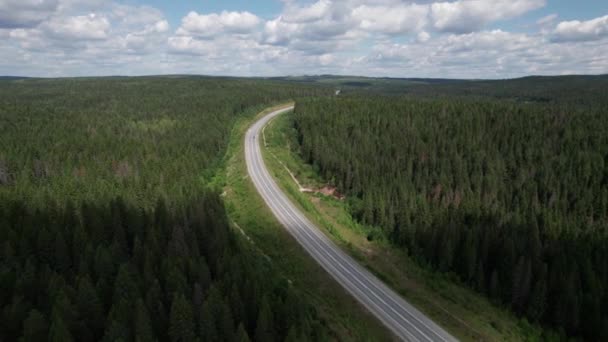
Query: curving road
(400, 317)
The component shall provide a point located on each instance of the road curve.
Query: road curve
(400, 317)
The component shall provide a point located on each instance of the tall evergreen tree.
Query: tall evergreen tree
(59, 332)
(264, 330)
(241, 334)
(35, 327)
(181, 328)
(143, 328)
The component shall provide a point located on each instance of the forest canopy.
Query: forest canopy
(108, 229)
(510, 196)
(139, 138)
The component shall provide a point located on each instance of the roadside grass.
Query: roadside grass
(344, 317)
(464, 313)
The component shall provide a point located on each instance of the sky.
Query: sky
(490, 39)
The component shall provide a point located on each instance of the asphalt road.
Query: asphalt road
(405, 321)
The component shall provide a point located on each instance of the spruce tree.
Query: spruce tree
(35, 327)
(241, 334)
(59, 332)
(264, 330)
(143, 328)
(181, 328)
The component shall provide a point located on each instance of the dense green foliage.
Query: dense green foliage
(108, 230)
(579, 90)
(511, 197)
(117, 272)
(573, 89)
(139, 138)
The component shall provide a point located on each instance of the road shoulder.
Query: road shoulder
(346, 319)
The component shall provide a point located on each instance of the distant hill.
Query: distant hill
(572, 88)
(12, 78)
(529, 88)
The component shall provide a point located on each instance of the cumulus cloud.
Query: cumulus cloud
(568, 31)
(484, 54)
(208, 25)
(548, 19)
(487, 41)
(323, 25)
(418, 38)
(85, 27)
(347, 19)
(294, 13)
(400, 18)
(25, 13)
(218, 39)
(466, 16)
(87, 37)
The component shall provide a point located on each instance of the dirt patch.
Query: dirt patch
(331, 191)
(326, 190)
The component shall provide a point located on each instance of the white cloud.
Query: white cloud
(327, 59)
(466, 16)
(112, 39)
(208, 25)
(496, 40)
(401, 18)
(82, 27)
(278, 31)
(441, 38)
(161, 26)
(316, 29)
(575, 30)
(423, 36)
(305, 14)
(547, 20)
(25, 13)
(485, 54)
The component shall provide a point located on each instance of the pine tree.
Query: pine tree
(125, 285)
(521, 283)
(241, 334)
(207, 327)
(292, 335)
(90, 311)
(35, 327)
(181, 328)
(265, 323)
(156, 307)
(143, 329)
(120, 321)
(480, 278)
(226, 322)
(62, 256)
(63, 311)
(538, 297)
(494, 286)
(59, 332)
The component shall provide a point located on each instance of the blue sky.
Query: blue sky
(399, 38)
(176, 10)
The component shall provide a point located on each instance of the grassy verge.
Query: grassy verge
(345, 318)
(464, 313)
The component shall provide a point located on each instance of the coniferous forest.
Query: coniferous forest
(111, 226)
(508, 194)
(108, 230)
